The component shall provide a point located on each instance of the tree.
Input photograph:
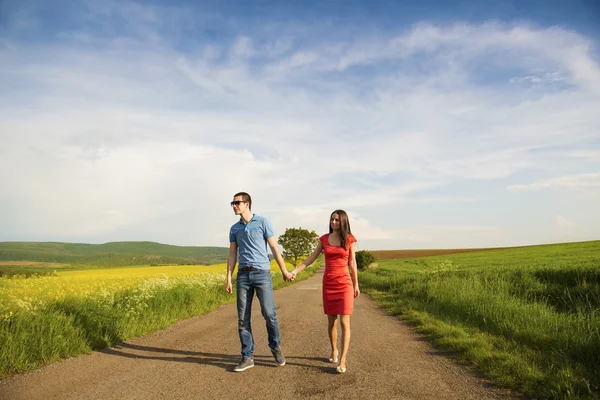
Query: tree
(297, 243)
(364, 259)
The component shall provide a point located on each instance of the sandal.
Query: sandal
(340, 370)
(334, 360)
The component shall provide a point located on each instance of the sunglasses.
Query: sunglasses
(237, 202)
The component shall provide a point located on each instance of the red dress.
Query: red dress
(338, 291)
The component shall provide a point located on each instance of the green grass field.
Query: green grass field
(528, 318)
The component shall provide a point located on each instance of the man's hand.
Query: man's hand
(287, 276)
(228, 287)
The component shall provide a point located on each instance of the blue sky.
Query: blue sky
(434, 124)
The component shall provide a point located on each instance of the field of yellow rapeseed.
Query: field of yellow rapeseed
(33, 294)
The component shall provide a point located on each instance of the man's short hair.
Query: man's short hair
(246, 197)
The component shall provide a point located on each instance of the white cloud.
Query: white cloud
(366, 231)
(540, 79)
(565, 230)
(564, 226)
(589, 181)
(464, 228)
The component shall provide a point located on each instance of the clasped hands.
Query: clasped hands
(289, 276)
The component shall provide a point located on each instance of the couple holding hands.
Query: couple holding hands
(248, 239)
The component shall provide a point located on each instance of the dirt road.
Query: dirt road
(193, 359)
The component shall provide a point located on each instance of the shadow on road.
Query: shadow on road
(225, 361)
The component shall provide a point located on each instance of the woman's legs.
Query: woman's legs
(345, 322)
(332, 330)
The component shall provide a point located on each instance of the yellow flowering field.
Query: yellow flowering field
(32, 294)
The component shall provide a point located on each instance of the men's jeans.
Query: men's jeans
(247, 283)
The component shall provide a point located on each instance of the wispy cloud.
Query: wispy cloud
(581, 182)
(564, 226)
(464, 228)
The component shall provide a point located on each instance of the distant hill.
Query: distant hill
(112, 254)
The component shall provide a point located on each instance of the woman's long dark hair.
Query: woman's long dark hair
(344, 226)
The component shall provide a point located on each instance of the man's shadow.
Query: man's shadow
(225, 361)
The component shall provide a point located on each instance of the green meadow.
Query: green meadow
(528, 318)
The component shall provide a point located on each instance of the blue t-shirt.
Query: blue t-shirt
(251, 239)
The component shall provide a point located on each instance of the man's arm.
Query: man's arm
(275, 250)
(231, 261)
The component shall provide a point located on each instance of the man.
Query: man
(249, 238)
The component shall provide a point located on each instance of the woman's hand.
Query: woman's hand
(294, 273)
(287, 276)
(356, 291)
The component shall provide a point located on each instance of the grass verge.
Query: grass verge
(528, 318)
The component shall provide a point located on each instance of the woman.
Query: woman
(339, 246)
